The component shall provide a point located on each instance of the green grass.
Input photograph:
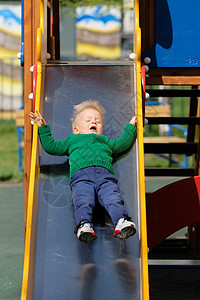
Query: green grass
(153, 160)
(9, 153)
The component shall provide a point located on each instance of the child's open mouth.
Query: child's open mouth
(93, 128)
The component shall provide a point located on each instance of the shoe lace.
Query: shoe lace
(127, 218)
(80, 224)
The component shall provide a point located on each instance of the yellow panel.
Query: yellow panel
(6, 53)
(117, 28)
(10, 86)
(98, 51)
(10, 32)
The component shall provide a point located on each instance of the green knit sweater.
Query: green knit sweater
(85, 150)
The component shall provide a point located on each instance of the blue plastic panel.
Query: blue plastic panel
(177, 34)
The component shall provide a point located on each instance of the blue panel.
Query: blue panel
(177, 34)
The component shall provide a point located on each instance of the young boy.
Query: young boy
(90, 158)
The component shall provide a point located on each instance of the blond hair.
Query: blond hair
(84, 105)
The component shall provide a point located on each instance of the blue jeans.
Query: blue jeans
(94, 181)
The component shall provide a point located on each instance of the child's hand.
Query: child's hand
(134, 121)
(37, 119)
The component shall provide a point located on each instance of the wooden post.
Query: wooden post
(56, 28)
(31, 23)
(147, 23)
(192, 113)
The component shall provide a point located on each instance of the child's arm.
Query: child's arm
(126, 139)
(49, 145)
(37, 119)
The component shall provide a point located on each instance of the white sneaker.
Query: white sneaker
(86, 233)
(124, 229)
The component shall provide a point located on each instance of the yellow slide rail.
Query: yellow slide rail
(29, 250)
(143, 223)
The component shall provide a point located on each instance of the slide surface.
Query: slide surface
(65, 268)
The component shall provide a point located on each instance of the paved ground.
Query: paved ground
(174, 284)
(165, 284)
(11, 241)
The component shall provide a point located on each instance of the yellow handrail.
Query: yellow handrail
(138, 47)
(39, 42)
(136, 14)
(42, 15)
(27, 283)
(143, 223)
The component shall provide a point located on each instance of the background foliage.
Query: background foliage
(75, 3)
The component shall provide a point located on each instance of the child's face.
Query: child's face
(89, 121)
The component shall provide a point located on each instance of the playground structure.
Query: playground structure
(37, 43)
(172, 44)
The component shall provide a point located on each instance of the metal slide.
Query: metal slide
(64, 267)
